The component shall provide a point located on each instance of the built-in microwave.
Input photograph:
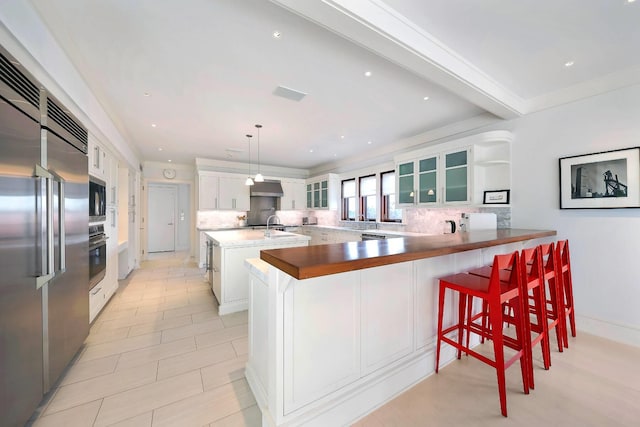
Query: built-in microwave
(97, 199)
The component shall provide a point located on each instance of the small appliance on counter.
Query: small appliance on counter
(309, 220)
(478, 221)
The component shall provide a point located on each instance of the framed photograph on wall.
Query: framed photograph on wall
(605, 180)
(496, 197)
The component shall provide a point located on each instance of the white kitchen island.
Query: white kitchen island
(228, 250)
(335, 331)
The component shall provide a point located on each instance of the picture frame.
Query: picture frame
(496, 197)
(604, 180)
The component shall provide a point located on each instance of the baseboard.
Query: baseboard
(345, 407)
(232, 307)
(626, 334)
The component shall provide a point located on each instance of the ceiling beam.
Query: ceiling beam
(377, 27)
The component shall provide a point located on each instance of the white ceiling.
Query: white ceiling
(211, 66)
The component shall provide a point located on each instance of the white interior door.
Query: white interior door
(162, 219)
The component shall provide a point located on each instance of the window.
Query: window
(368, 207)
(389, 212)
(349, 199)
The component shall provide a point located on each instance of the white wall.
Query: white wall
(184, 181)
(605, 244)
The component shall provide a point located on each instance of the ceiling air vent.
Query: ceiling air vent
(288, 93)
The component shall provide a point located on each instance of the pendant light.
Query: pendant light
(249, 181)
(259, 177)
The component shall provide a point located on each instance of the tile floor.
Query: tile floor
(596, 382)
(159, 355)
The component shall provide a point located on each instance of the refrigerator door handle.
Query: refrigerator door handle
(61, 209)
(47, 256)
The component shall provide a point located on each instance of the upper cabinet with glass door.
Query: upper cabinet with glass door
(323, 192)
(448, 174)
(418, 181)
(456, 176)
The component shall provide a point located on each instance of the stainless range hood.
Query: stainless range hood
(267, 189)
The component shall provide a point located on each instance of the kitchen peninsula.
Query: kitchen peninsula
(226, 252)
(337, 330)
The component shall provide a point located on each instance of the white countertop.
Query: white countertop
(388, 233)
(258, 268)
(229, 238)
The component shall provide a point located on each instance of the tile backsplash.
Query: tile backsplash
(433, 221)
(417, 220)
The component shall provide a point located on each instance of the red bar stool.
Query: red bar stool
(554, 294)
(495, 293)
(532, 278)
(564, 267)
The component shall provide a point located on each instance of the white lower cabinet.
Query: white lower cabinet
(99, 296)
(202, 258)
(230, 278)
(313, 367)
(327, 350)
(387, 323)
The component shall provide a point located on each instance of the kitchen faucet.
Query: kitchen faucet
(267, 233)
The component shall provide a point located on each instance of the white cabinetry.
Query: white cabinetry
(100, 295)
(233, 193)
(222, 192)
(295, 195)
(229, 277)
(98, 159)
(456, 172)
(434, 178)
(207, 192)
(323, 192)
(104, 166)
(203, 250)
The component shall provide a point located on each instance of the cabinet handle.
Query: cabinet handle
(96, 291)
(96, 157)
(113, 218)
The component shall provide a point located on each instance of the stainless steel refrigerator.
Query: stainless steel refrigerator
(44, 272)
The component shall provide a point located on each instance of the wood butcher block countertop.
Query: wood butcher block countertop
(322, 260)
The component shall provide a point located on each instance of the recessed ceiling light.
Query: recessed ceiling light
(153, 125)
(147, 94)
(341, 136)
(169, 160)
(277, 34)
(311, 151)
(369, 142)
(159, 148)
(426, 98)
(630, 1)
(335, 155)
(367, 73)
(569, 64)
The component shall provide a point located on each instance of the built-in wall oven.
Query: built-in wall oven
(97, 199)
(97, 254)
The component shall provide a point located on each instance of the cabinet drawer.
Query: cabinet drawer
(97, 300)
